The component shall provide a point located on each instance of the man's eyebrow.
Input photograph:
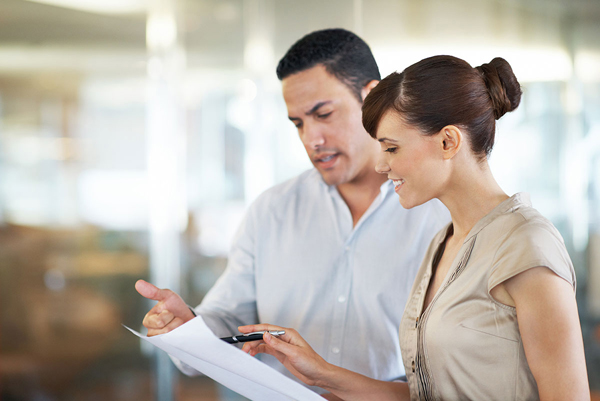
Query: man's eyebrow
(317, 107)
(313, 110)
(386, 140)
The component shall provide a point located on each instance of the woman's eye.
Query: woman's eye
(391, 150)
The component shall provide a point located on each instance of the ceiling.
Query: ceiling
(36, 36)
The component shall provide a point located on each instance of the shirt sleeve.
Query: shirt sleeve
(231, 302)
(531, 244)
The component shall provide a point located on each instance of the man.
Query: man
(330, 252)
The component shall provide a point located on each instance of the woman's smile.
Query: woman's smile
(398, 184)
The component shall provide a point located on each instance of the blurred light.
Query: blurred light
(55, 280)
(219, 223)
(587, 66)
(161, 31)
(240, 113)
(226, 12)
(114, 199)
(247, 90)
(536, 64)
(113, 93)
(31, 149)
(100, 6)
(577, 181)
(258, 55)
(155, 68)
(572, 101)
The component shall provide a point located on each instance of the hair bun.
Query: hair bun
(502, 85)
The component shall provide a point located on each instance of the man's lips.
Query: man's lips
(327, 160)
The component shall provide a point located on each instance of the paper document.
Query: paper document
(195, 344)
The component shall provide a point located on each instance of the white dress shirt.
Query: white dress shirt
(297, 261)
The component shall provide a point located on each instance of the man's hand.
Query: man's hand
(169, 313)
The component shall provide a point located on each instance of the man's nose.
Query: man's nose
(313, 136)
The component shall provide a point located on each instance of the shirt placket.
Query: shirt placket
(343, 287)
(340, 309)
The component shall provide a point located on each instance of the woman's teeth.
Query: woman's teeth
(398, 182)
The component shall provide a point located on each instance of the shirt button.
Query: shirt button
(341, 299)
(413, 366)
(335, 350)
(348, 248)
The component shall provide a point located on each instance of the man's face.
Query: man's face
(328, 117)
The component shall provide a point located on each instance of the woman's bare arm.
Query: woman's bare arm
(303, 362)
(549, 325)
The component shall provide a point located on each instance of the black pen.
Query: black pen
(257, 335)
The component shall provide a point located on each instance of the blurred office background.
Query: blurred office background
(135, 133)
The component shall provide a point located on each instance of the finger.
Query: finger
(175, 323)
(259, 327)
(280, 345)
(158, 317)
(263, 348)
(250, 345)
(151, 291)
(162, 319)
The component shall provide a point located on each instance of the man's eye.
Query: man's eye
(324, 115)
(391, 150)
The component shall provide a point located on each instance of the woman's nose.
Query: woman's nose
(382, 167)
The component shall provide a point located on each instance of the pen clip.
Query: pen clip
(272, 332)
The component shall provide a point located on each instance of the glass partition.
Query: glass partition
(79, 182)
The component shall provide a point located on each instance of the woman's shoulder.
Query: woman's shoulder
(526, 239)
(526, 223)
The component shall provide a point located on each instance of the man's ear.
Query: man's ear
(451, 140)
(367, 88)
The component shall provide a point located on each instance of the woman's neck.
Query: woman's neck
(472, 194)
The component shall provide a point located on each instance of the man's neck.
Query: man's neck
(360, 193)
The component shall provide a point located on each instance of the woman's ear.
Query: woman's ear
(367, 88)
(451, 140)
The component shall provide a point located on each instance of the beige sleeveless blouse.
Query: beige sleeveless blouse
(466, 345)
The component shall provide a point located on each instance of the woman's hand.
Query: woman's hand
(304, 363)
(291, 350)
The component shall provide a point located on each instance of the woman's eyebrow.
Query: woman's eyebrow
(386, 140)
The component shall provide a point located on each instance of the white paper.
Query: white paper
(195, 344)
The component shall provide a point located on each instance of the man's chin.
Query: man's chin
(331, 178)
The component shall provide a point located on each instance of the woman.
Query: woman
(492, 312)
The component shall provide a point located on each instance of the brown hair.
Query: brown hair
(445, 90)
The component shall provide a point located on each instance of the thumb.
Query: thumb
(149, 291)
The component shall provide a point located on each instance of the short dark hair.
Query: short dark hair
(445, 90)
(343, 54)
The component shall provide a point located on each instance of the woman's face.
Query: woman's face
(412, 160)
